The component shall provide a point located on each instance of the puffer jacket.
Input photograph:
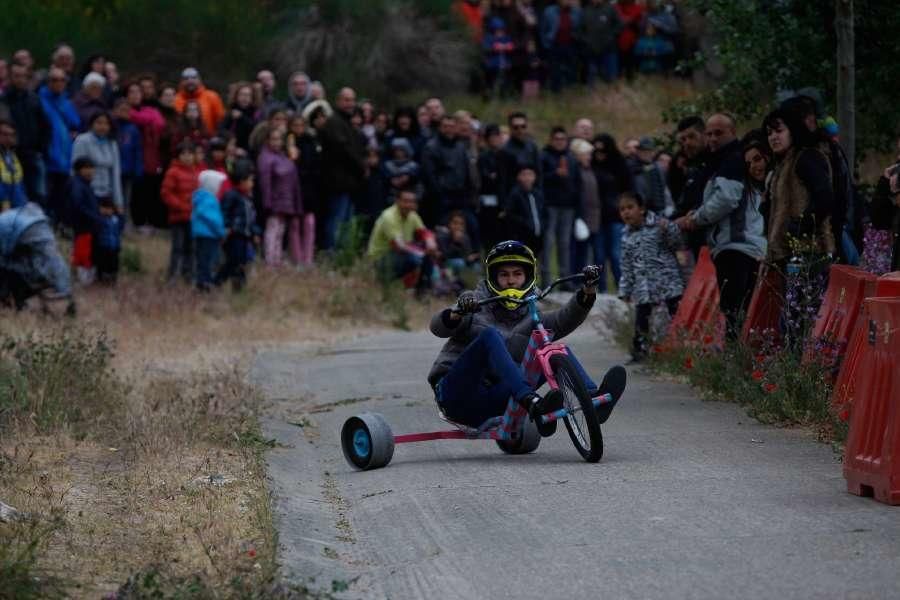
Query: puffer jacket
(177, 188)
(445, 166)
(514, 325)
(730, 209)
(650, 271)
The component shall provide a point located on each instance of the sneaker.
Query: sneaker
(613, 383)
(538, 406)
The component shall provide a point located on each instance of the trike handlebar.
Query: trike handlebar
(538, 295)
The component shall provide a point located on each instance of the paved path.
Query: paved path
(691, 499)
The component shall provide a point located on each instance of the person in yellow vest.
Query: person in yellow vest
(12, 184)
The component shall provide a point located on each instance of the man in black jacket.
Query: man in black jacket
(445, 172)
(343, 165)
(33, 128)
(519, 151)
(561, 199)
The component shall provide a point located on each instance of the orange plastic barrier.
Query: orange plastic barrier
(888, 285)
(698, 317)
(845, 384)
(847, 288)
(764, 312)
(872, 460)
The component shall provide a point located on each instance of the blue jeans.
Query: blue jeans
(206, 251)
(480, 383)
(607, 245)
(606, 64)
(340, 208)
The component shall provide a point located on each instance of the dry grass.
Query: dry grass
(623, 110)
(117, 484)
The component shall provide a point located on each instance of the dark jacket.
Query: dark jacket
(32, 126)
(489, 173)
(514, 325)
(131, 149)
(445, 168)
(240, 127)
(560, 191)
(513, 156)
(343, 156)
(87, 108)
(309, 168)
(523, 213)
(239, 214)
(886, 215)
(84, 207)
(613, 178)
(599, 28)
(650, 183)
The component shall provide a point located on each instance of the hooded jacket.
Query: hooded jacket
(730, 208)
(177, 188)
(63, 119)
(27, 114)
(514, 325)
(212, 111)
(650, 271)
(206, 217)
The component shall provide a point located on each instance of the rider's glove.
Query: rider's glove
(592, 275)
(467, 303)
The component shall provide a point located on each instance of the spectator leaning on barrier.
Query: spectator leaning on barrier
(730, 214)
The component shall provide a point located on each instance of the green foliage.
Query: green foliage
(381, 46)
(131, 261)
(61, 378)
(766, 46)
(351, 244)
(21, 578)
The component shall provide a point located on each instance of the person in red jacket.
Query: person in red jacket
(178, 186)
(152, 124)
(209, 102)
(631, 14)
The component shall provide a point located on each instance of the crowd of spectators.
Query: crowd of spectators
(281, 179)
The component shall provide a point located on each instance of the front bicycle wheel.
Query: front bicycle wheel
(581, 422)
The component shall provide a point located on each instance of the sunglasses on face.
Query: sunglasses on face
(519, 126)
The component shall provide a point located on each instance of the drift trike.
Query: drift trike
(368, 442)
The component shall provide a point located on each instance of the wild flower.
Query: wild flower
(877, 248)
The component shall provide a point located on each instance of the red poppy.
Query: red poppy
(757, 375)
(759, 358)
(844, 415)
(707, 339)
(251, 552)
(689, 363)
(769, 387)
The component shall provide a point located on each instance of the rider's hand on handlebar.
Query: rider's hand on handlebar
(592, 274)
(467, 303)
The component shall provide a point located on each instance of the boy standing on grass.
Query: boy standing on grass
(177, 188)
(86, 220)
(108, 242)
(207, 227)
(240, 225)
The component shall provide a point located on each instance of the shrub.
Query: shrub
(21, 578)
(56, 379)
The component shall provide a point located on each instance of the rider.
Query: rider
(478, 369)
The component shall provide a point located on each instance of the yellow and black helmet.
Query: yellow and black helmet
(510, 252)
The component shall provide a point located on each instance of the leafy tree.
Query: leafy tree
(768, 46)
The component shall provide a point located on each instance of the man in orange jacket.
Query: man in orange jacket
(212, 111)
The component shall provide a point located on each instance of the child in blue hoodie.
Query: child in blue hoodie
(207, 227)
(108, 242)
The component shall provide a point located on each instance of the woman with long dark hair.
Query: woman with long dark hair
(800, 197)
(613, 178)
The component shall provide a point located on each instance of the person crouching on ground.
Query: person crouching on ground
(207, 227)
(402, 246)
(240, 225)
(650, 271)
(480, 367)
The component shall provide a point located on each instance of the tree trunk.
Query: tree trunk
(846, 77)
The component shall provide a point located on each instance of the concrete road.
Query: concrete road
(691, 499)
